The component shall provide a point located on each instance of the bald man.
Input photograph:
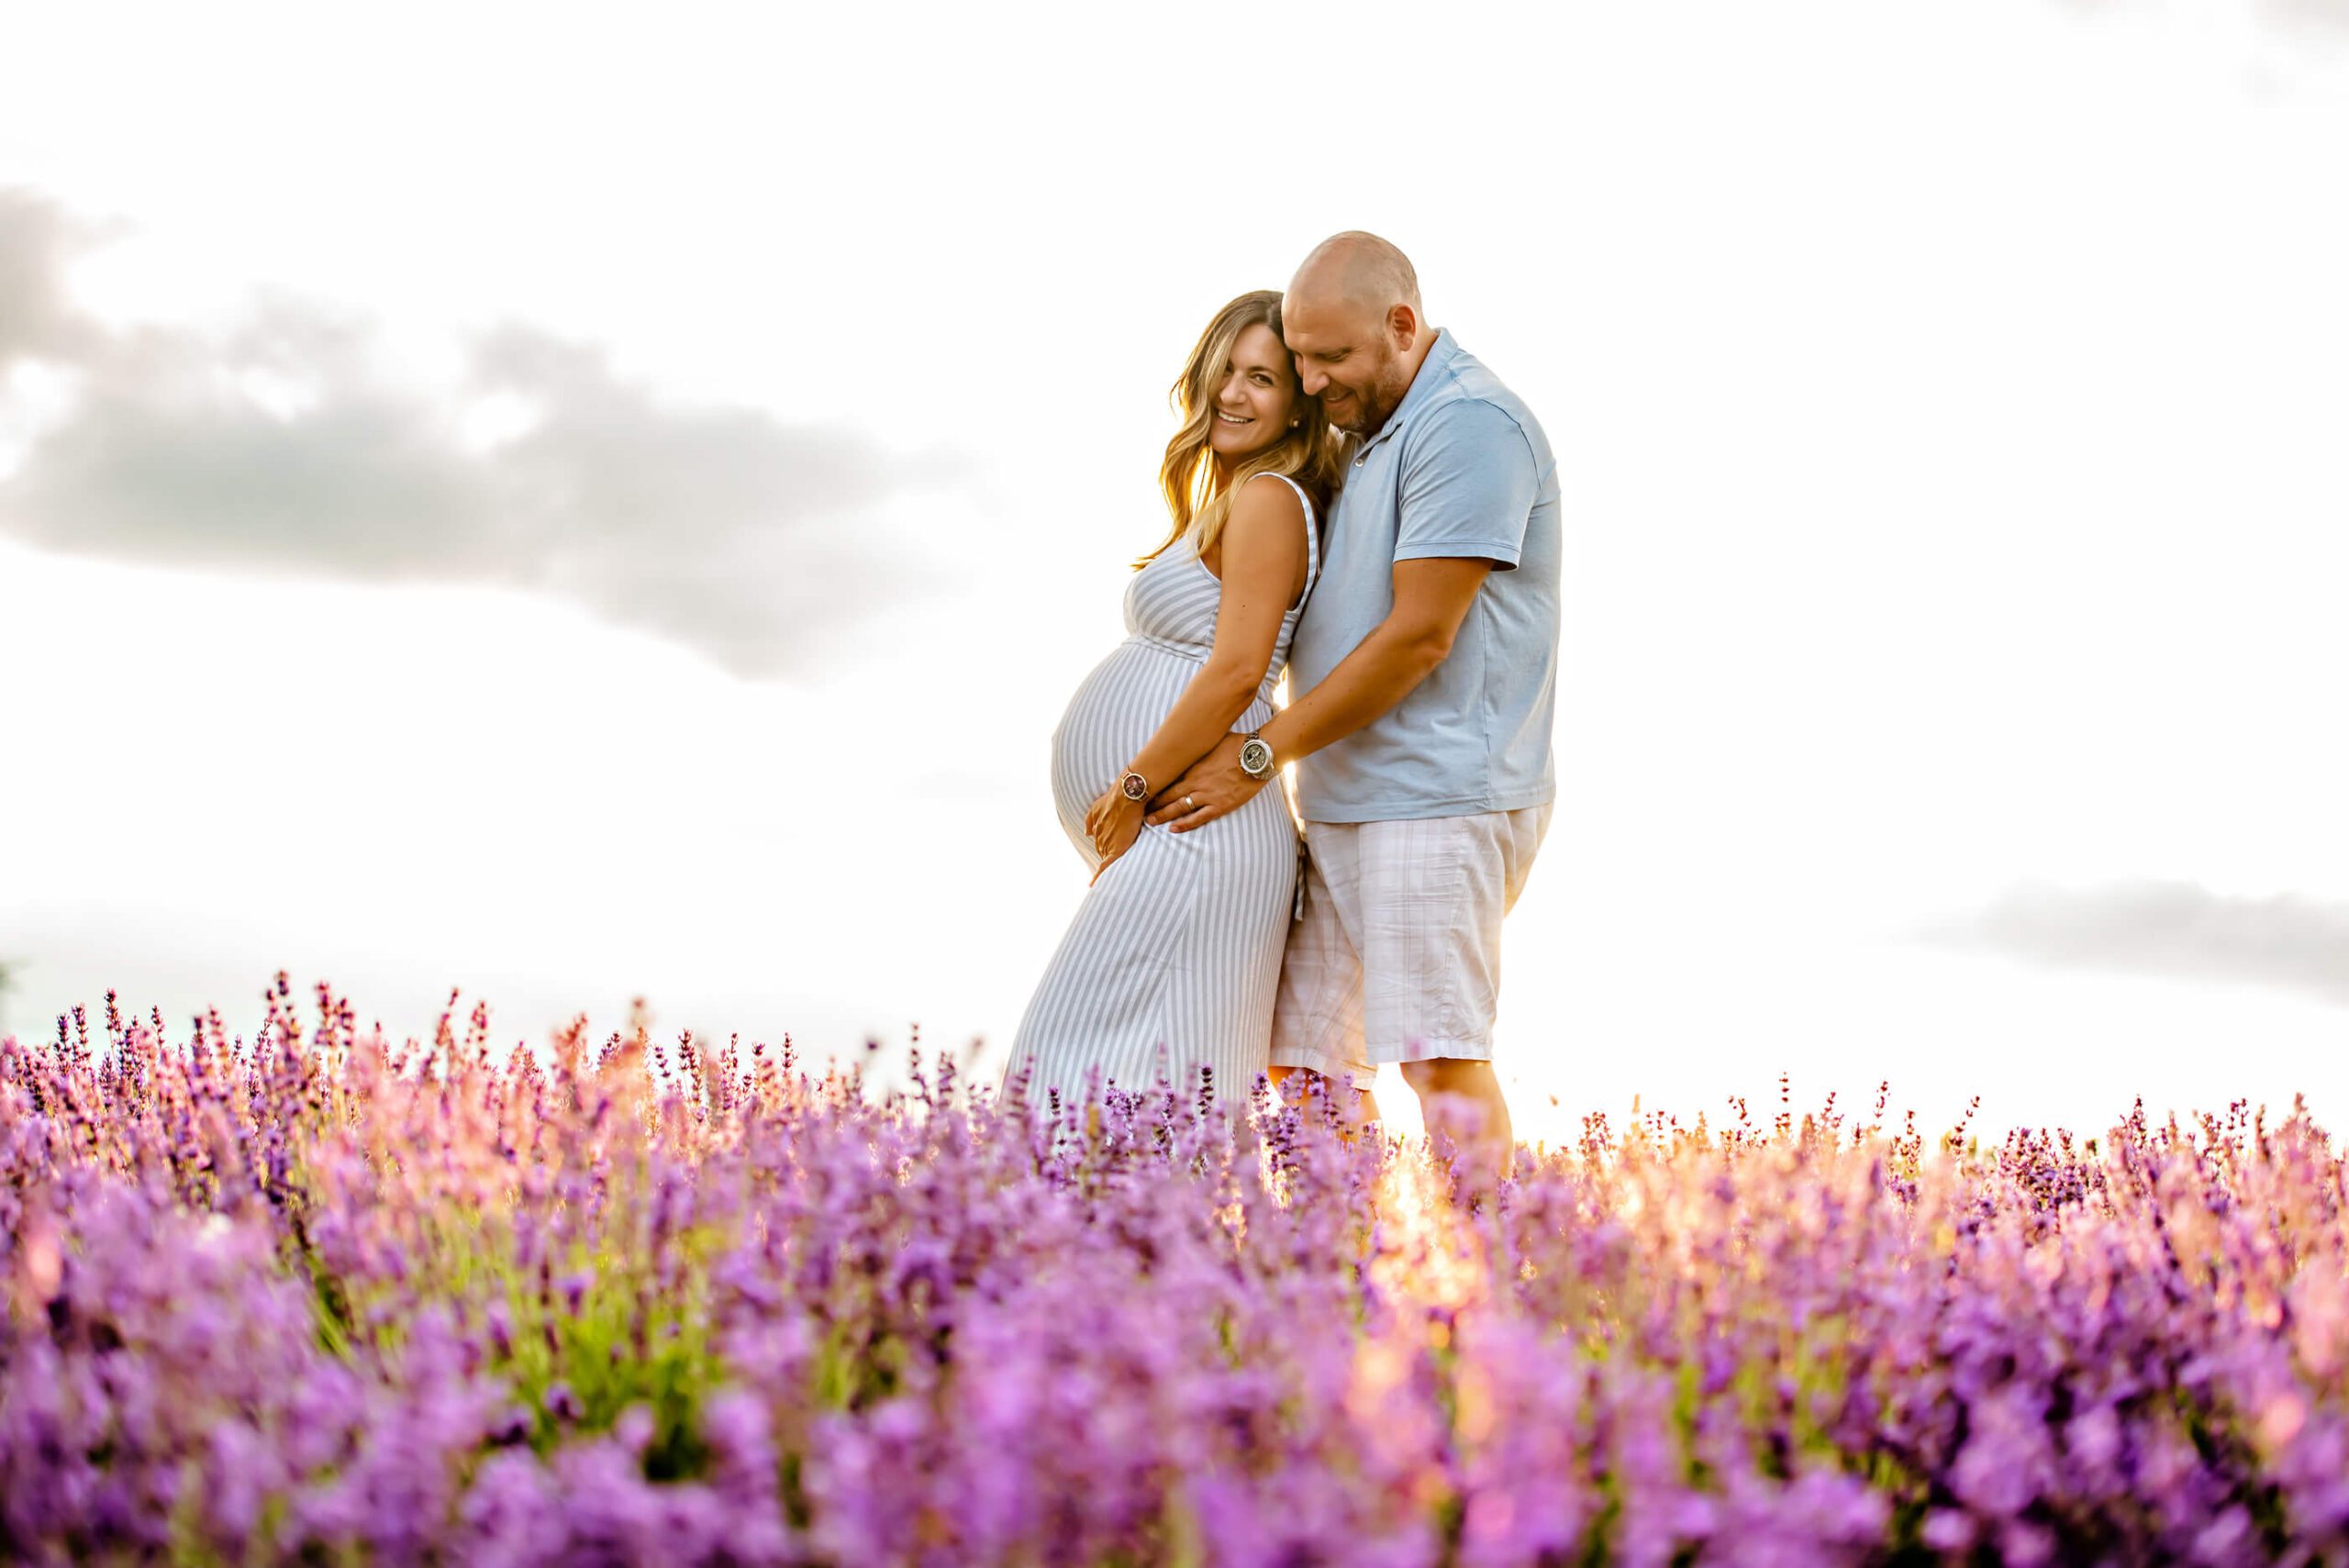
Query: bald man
(1426, 659)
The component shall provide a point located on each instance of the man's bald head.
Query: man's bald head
(1359, 271)
(1352, 317)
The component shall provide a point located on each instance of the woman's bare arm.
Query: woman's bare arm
(1264, 553)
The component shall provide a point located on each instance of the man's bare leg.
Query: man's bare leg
(1355, 1111)
(1462, 1100)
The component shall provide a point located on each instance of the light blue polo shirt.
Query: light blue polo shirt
(1459, 468)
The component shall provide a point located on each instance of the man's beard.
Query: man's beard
(1370, 416)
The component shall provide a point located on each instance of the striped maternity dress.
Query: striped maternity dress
(1174, 956)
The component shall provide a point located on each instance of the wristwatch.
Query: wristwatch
(1256, 757)
(1133, 786)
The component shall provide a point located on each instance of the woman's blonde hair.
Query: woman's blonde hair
(1311, 453)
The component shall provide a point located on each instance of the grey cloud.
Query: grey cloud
(2167, 927)
(37, 243)
(752, 540)
(2315, 15)
(2322, 22)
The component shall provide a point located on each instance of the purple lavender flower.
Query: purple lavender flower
(327, 1296)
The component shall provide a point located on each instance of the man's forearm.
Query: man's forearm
(1200, 717)
(1383, 669)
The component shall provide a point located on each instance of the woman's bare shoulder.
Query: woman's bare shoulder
(1279, 502)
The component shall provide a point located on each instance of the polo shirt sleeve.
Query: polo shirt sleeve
(1467, 486)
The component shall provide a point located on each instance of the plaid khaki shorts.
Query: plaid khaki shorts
(1397, 953)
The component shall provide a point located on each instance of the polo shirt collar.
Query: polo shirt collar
(1440, 354)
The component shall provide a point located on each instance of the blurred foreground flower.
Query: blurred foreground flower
(323, 1299)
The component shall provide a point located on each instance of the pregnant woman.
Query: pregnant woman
(1175, 957)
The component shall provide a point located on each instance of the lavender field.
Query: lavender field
(323, 1299)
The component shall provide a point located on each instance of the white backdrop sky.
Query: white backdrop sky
(575, 507)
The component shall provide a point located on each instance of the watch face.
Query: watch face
(1256, 759)
(1135, 787)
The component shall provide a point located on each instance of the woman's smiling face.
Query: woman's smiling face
(1252, 407)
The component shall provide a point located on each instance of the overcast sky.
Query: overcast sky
(573, 508)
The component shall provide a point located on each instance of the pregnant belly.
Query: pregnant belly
(1112, 717)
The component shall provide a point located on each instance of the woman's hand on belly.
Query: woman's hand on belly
(1115, 823)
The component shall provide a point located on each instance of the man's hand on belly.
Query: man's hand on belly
(1211, 787)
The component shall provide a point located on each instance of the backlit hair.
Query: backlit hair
(1311, 454)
